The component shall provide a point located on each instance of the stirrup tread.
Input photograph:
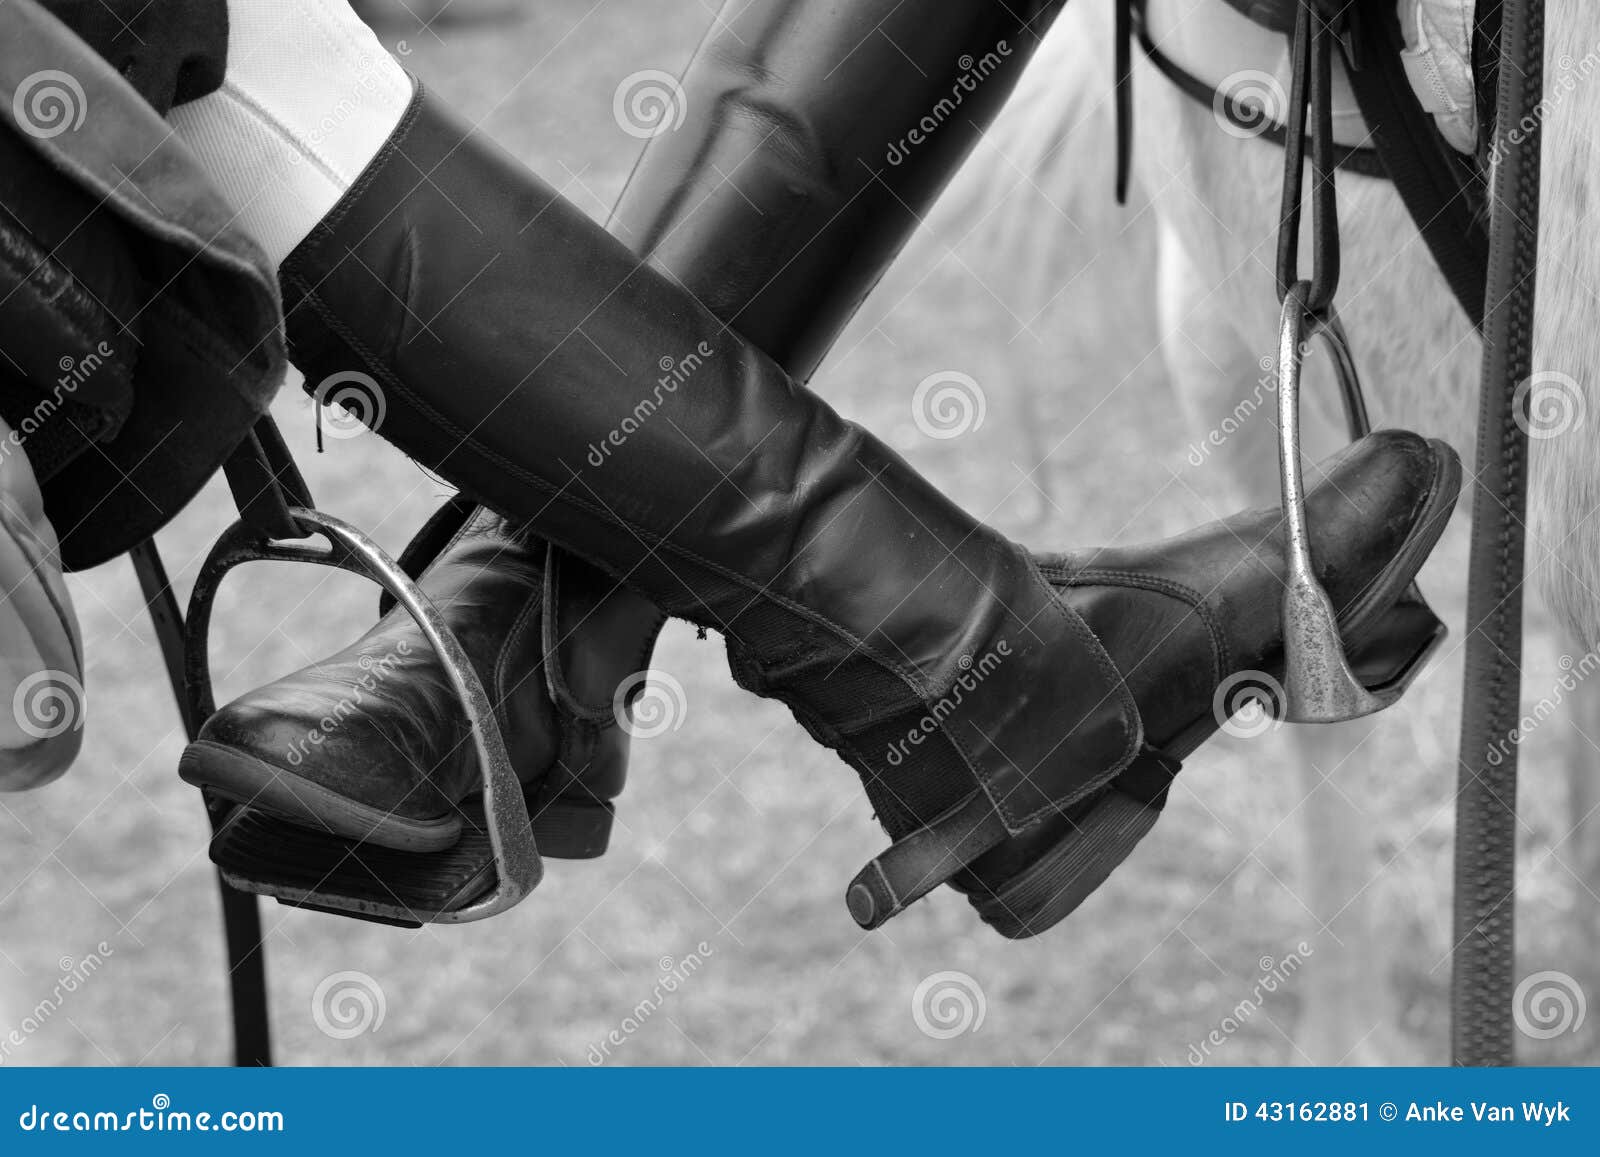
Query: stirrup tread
(337, 873)
(265, 854)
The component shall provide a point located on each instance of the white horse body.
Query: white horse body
(1214, 197)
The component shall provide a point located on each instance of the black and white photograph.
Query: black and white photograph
(804, 535)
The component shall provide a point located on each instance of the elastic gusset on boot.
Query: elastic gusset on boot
(905, 792)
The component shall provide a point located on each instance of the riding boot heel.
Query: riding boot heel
(1104, 829)
(572, 829)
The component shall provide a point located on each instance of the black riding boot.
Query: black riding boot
(815, 137)
(794, 101)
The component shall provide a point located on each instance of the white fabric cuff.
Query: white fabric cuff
(309, 98)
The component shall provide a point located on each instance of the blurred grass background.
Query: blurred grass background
(737, 831)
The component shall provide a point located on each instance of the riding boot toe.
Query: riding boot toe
(372, 743)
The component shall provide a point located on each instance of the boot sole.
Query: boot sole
(245, 779)
(1044, 894)
(263, 854)
(564, 828)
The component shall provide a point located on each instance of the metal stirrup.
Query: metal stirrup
(517, 864)
(1319, 685)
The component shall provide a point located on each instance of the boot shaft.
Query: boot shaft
(815, 138)
(530, 357)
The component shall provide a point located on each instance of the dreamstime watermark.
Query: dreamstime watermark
(1274, 974)
(974, 71)
(674, 975)
(674, 372)
(160, 1117)
(1266, 387)
(649, 703)
(74, 372)
(74, 974)
(648, 103)
(48, 103)
(948, 404)
(1573, 673)
(345, 1005)
(1548, 404)
(351, 404)
(1559, 85)
(948, 1004)
(49, 703)
(972, 674)
(1248, 103)
(374, 670)
(1249, 703)
(1548, 1004)
(369, 75)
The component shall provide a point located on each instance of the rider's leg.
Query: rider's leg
(803, 163)
(978, 701)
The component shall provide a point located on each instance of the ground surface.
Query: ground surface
(736, 832)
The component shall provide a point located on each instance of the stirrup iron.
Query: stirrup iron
(1320, 685)
(495, 864)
